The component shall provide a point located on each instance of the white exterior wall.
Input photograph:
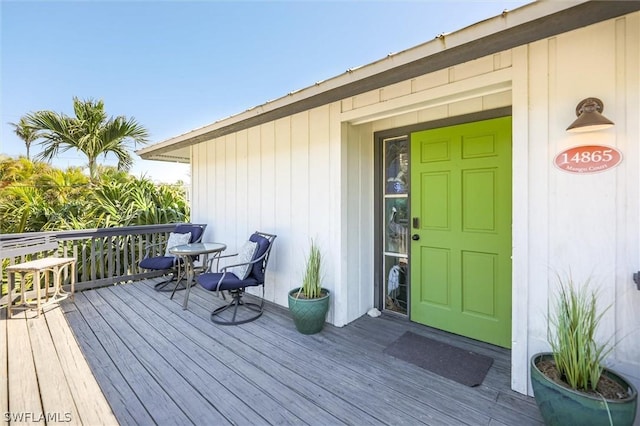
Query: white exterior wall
(311, 175)
(282, 177)
(586, 225)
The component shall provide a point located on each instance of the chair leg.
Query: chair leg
(238, 306)
(161, 286)
(176, 275)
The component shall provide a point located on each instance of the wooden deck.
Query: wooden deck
(44, 377)
(158, 364)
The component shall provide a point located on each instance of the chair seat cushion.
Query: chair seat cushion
(210, 281)
(160, 262)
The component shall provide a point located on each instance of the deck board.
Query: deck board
(4, 382)
(156, 363)
(239, 346)
(121, 360)
(121, 396)
(217, 382)
(363, 381)
(233, 351)
(53, 388)
(94, 410)
(47, 377)
(353, 381)
(159, 366)
(343, 365)
(24, 394)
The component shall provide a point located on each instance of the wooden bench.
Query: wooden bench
(45, 267)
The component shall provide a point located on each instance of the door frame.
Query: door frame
(379, 185)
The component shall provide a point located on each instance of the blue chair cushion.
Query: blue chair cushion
(160, 262)
(209, 280)
(263, 245)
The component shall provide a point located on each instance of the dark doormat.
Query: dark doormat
(466, 367)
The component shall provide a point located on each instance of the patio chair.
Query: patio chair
(248, 271)
(168, 262)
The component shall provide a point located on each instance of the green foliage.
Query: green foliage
(311, 282)
(90, 132)
(35, 196)
(577, 354)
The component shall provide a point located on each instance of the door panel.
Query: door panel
(436, 212)
(437, 283)
(478, 200)
(461, 197)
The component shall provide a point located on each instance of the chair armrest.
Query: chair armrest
(227, 255)
(224, 269)
(148, 247)
(217, 258)
(245, 263)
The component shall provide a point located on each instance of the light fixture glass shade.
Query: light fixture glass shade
(590, 117)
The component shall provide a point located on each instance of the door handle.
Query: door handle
(415, 237)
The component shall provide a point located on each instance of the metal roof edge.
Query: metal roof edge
(528, 23)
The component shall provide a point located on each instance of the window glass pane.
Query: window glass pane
(396, 160)
(396, 284)
(396, 225)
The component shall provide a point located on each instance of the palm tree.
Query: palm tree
(90, 132)
(26, 133)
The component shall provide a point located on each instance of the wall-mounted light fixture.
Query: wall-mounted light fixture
(590, 117)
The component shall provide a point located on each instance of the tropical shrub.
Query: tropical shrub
(35, 196)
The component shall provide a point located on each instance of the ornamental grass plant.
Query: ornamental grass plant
(311, 282)
(577, 354)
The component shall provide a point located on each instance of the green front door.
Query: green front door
(461, 229)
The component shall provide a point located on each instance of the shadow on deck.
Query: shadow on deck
(159, 364)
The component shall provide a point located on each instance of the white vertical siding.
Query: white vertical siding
(586, 225)
(311, 175)
(359, 226)
(628, 236)
(280, 178)
(523, 188)
(284, 206)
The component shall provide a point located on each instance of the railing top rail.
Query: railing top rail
(28, 245)
(18, 240)
(95, 232)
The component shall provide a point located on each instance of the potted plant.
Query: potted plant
(309, 303)
(570, 384)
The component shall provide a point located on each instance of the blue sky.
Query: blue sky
(176, 66)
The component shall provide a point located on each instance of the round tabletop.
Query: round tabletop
(197, 248)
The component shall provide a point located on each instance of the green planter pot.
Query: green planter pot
(309, 315)
(564, 406)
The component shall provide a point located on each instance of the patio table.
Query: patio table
(188, 252)
(50, 266)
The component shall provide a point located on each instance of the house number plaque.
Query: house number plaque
(588, 159)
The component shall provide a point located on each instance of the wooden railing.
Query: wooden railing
(104, 256)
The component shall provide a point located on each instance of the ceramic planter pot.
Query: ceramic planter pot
(564, 406)
(309, 315)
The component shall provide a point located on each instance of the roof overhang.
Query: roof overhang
(529, 23)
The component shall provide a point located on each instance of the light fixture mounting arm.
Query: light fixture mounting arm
(589, 105)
